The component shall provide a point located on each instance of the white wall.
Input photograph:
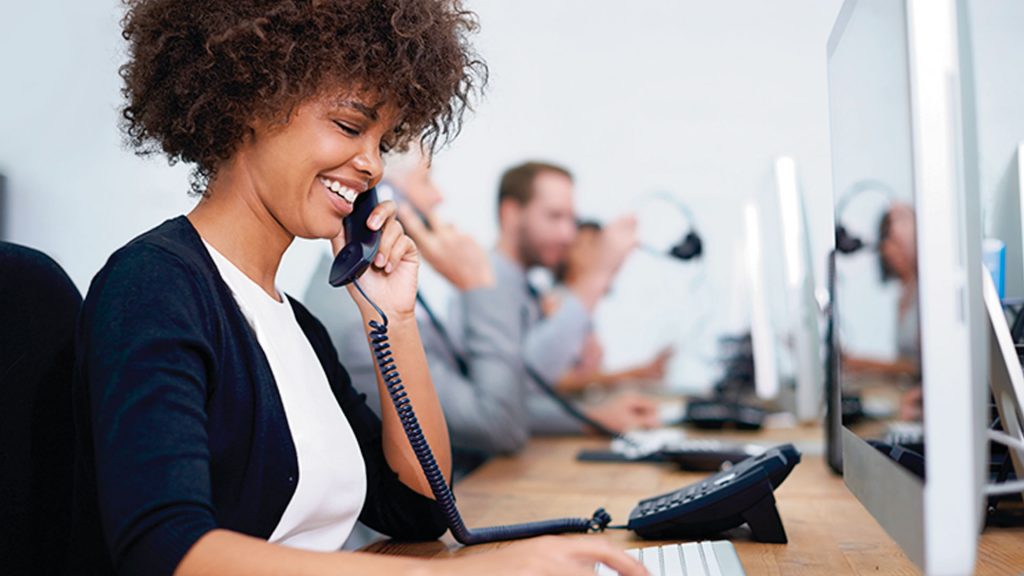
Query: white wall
(73, 191)
(695, 97)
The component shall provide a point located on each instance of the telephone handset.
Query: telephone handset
(361, 242)
(350, 263)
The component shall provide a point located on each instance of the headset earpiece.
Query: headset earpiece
(690, 247)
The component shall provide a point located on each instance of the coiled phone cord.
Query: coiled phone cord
(442, 493)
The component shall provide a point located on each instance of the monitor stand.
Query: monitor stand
(1006, 378)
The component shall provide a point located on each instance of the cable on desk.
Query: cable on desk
(570, 407)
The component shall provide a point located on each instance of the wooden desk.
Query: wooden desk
(829, 531)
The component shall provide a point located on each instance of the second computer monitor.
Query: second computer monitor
(901, 113)
(800, 329)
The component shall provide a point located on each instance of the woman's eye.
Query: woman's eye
(347, 129)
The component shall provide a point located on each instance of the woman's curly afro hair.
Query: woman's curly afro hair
(199, 72)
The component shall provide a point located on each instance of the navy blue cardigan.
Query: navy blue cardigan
(179, 425)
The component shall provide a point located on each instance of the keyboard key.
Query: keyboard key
(651, 559)
(710, 559)
(725, 479)
(728, 560)
(671, 560)
(691, 558)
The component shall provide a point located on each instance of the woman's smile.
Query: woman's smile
(341, 193)
(345, 192)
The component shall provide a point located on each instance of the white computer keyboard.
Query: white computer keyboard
(637, 443)
(640, 443)
(706, 558)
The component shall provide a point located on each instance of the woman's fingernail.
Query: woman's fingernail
(374, 222)
(379, 260)
(389, 268)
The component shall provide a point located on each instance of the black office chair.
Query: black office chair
(38, 308)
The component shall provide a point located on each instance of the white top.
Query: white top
(332, 475)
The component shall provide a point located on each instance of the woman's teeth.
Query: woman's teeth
(347, 194)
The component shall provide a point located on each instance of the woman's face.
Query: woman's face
(582, 254)
(307, 173)
(899, 249)
(584, 250)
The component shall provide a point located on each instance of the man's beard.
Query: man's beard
(529, 255)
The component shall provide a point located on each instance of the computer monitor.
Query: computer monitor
(762, 334)
(1019, 182)
(1004, 210)
(902, 113)
(1005, 223)
(799, 326)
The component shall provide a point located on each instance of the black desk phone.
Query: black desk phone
(722, 501)
(742, 494)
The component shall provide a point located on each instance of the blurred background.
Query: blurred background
(692, 98)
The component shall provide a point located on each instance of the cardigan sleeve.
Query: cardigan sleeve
(391, 507)
(144, 357)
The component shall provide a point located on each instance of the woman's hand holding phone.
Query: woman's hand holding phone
(391, 279)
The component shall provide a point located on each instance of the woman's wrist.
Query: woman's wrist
(396, 318)
(395, 315)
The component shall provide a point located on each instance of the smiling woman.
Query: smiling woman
(216, 432)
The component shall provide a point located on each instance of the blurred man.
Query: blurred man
(537, 221)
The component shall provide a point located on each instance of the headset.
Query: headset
(847, 243)
(691, 245)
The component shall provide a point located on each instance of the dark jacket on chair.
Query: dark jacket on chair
(40, 305)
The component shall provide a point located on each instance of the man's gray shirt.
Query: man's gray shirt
(551, 345)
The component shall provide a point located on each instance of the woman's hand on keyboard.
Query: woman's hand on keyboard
(544, 556)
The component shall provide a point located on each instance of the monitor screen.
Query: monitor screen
(876, 289)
